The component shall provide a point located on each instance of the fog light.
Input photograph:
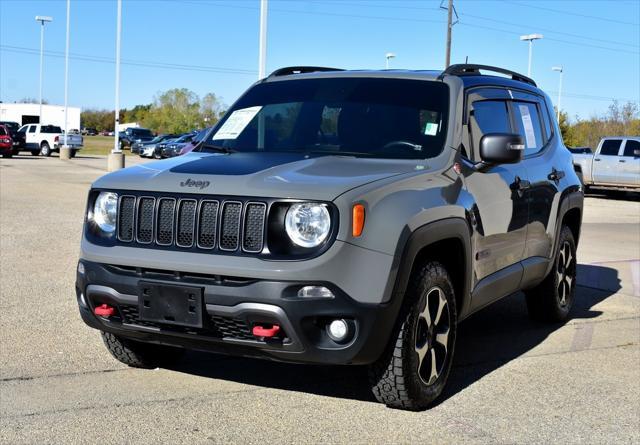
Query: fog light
(80, 268)
(338, 330)
(315, 292)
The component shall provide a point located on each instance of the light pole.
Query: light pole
(388, 57)
(561, 71)
(66, 78)
(116, 157)
(262, 57)
(42, 19)
(530, 38)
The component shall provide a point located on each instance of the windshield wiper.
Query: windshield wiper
(218, 149)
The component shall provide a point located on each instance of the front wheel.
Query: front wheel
(140, 355)
(552, 299)
(414, 370)
(45, 150)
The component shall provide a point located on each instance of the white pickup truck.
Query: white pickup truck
(45, 139)
(614, 165)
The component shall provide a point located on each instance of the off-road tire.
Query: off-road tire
(545, 302)
(140, 355)
(395, 378)
(45, 150)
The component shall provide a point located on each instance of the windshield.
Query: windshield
(373, 117)
(141, 132)
(11, 125)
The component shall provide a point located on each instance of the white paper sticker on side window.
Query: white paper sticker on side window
(236, 123)
(529, 133)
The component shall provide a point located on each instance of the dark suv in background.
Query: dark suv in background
(340, 217)
(133, 135)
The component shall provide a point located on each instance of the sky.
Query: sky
(212, 45)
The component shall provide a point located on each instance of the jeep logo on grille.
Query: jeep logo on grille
(192, 183)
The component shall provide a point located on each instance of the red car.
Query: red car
(6, 143)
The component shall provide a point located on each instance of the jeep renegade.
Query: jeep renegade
(339, 217)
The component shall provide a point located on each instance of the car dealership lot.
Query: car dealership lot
(513, 380)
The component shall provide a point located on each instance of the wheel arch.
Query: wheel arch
(448, 241)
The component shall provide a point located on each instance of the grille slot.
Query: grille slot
(126, 214)
(252, 239)
(166, 208)
(186, 223)
(230, 230)
(208, 224)
(146, 207)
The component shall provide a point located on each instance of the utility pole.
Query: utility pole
(262, 58)
(116, 157)
(65, 153)
(42, 19)
(449, 26)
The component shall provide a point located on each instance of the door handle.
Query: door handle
(621, 160)
(597, 159)
(520, 184)
(555, 175)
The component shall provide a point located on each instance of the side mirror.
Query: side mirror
(636, 153)
(501, 148)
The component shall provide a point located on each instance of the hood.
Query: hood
(277, 175)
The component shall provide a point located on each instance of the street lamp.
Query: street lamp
(561, 71)
(66, 79)
(42, 19)
(388, 57)
(262, 50)
(530, 38)
(115, 160)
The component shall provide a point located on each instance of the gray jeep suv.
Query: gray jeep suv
(339, 217)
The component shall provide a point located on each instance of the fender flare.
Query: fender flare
(412, 242)
(572, 199)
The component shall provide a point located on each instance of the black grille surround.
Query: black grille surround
(217, 225)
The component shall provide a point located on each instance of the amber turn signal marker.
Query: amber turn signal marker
(358, 219)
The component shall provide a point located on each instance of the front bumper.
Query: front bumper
(232, 306)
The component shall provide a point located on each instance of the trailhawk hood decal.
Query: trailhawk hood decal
(278, 175)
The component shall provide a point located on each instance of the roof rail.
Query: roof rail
(301, 70)
(472, 69)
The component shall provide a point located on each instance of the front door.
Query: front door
(630, 163)
(606, 168)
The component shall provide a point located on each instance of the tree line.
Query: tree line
(178, 110)
(618, 120)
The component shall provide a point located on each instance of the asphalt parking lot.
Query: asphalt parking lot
(514, 381)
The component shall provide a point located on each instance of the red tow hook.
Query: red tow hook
(261, 331)
(104, 310)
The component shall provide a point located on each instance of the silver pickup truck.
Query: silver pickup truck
(615, 164)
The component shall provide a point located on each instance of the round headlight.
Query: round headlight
(308, 224)
(104, 211)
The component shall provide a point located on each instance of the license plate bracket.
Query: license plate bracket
(170, 304)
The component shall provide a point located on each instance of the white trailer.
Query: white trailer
(51, 114)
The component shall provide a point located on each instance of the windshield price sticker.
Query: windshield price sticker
(236, 123)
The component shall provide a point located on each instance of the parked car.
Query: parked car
(340, 217)
(6, 142)
(89, 131)
(133, 135)
(142, 148)
(173, 148)
(105, 133)
(16, 136)
(156, 153)
(615, 164)
(45, 139)
(189, 146)
(580, 150)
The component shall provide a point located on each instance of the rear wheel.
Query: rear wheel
(414, 370)
(72, 153)
(35, 152)
(45, 150)
(8, 155)
(552, 299)
(140, 355)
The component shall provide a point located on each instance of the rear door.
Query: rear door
(500, 212)
(606, 165)
(630, 163)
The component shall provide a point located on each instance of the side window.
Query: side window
(630, 147)
(610, 147)
(32, 129)
(488, 116)
(528, 125)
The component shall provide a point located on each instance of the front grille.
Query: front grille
(225, 225)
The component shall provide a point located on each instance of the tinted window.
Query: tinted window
(50, 129)
(32, 129)
(13, 126)
(630, 147)
(528, 126)
(386, 118)
(610, 147)
(492, 116)
(3, 132)
(142, 132)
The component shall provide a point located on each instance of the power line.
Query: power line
(577, 14)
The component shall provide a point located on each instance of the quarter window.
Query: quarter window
(630, 147)
(528, 125)
(610, 147)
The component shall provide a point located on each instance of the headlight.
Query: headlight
(308, 224)
(104, 211)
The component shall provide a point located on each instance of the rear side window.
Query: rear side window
(630, 147)
(50, 129)
(528, 125)
(32, 129)
(611, 147)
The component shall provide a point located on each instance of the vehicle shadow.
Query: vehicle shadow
(486, 341)
(615, 195)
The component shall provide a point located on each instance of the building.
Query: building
(51, 114)
(123, 127)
